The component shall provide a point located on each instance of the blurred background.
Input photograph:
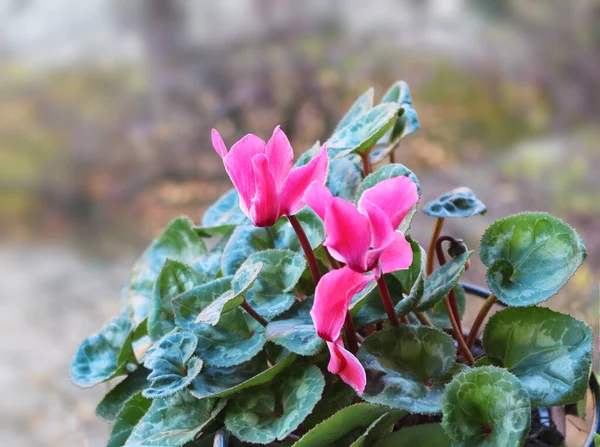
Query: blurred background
(105, 115)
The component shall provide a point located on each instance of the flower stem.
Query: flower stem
(350, 333)
(364, 156)
(310, 256)
(387, 301)
(458, 335)
(451, 296)
(424, 319)
(253, 313)
(437, 229)
(487, 305)
(393, 156)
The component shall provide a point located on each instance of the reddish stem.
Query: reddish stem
(350, 333)
(365, 162)
(253, 313)
(310, 256)
(437, 229)
(451, 296)
(387, 301)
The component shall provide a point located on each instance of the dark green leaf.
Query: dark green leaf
(425, 435)
(222, 382)
(295, 331)
(262, 415)
(337, 395)
(549, 352)
(530, 256)
(362, 105)
(370, 308)
(407, 367)
(442, 280)
(384, 424)
(175, 420)
(178, 242)
(174, 279)
(173, 367)
(133, 410)
(101, 356)
(114, 400)
(460, 202)
(486, 406)
(439, 314)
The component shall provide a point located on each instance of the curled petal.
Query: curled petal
(299, 180)
(332, 298)
(238, 165)
(281, 156)
(395, 196)
(348, 234)
(218, 143)
(397, 256)
(343, 363)
(318, 197)
(264, 211)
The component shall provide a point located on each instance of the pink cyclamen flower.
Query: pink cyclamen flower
(263, 176)
(332, 299)
(364, 237)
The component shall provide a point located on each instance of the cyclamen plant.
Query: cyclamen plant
(230, 340)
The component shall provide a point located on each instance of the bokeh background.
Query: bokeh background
(105, 115)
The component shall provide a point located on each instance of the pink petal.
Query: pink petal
(265, 203)
(299, 180)
(238, 164)
(395, 196)
(348, 234)
(343, 363)
(218, 143)
(397, 256)
(332, 298)
(281, 156)
(318, 197)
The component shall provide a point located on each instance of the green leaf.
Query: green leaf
(133, 410)
(189, 305)
(174, 279)
(241, 281)
(337, 395)
(370, 308)
(223, 215)
(425, 435)
(442, 280)
(295, 331)
(344, 422)
(530, 256)
(460, 202)
(272, 292)
(486, 406)
(407, 367)
(377, 428)
(175, 420)
(412, 280)
(284, 236)
(362, 105)
(173, 367)
(549, 352)
(262, 415)
(439, 314)
(210, 262)
(103, 355)
(179, 242)
(114, 400)
(387, 172)
(363, 132)
(236, 339)
(345, 176)
(222, 382)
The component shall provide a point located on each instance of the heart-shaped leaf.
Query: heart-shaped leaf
(133, 410)
(407, 367)
(103, 355)
(345, 176)
(439, 314)
(189, 305)
(486, 406)
(295, 331)
(209, 263)
(222, 216)
(263, 415)
(387, 172)
(271, 294)
(530, 256)
(549, 352)
(337, 395)
(178, 242)
(383, 424)
(175, 420)
(362, 105)
(442, 280)
(222, 382)
(114, 400)
(174, 279)
(173, 367)
(363, 132)
(460, 202)
(425, 435)
(333, 430)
